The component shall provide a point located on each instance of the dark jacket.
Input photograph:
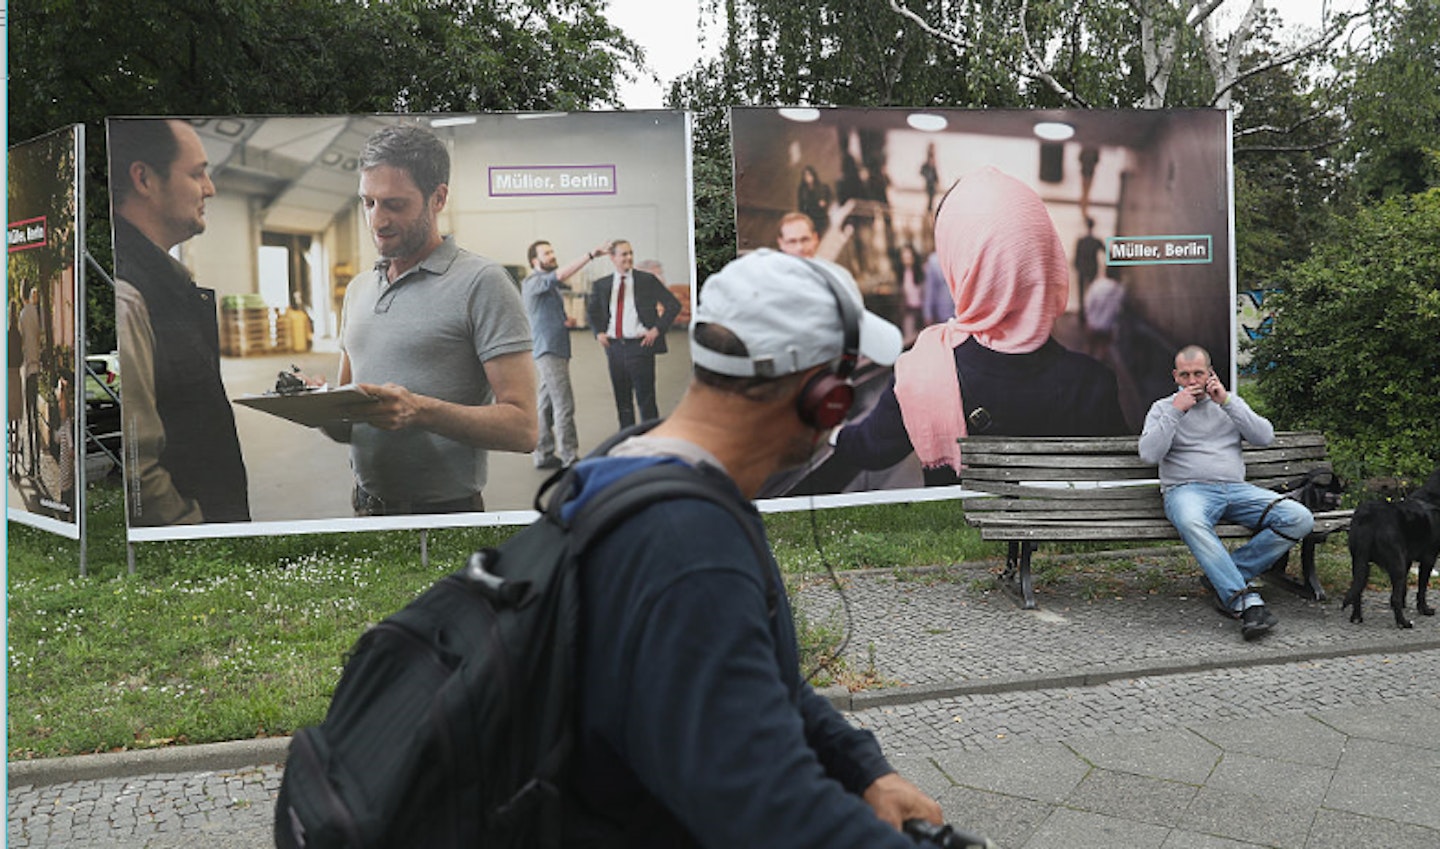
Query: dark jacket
(650, 295)
(695, 727)
(202, 449)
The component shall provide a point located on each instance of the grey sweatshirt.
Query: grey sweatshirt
(1201, 445)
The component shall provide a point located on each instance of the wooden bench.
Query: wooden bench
(1066, 489)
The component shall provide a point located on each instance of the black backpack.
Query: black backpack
(453, 719)
(1320, 490)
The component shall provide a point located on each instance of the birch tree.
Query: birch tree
(1165, 32)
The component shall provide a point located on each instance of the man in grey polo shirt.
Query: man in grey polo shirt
(545, 306)
(437, 335)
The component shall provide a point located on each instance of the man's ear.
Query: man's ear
(142, 178)
(438, 198)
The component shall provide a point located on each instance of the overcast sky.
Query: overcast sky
(669, 32)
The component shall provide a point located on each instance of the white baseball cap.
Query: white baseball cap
(785, 312)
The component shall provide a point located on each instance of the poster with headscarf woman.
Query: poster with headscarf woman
(1025, 197)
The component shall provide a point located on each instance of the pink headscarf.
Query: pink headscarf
(1010, 279)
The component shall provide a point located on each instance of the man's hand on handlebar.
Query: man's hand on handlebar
(896, 800)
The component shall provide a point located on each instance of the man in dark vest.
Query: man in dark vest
(182, 454)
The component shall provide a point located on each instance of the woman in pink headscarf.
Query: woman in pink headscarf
(993, 367)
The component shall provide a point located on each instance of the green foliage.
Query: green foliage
(306, 56)
(827, 53)
(1395, 139)
(1354, 351)
(857, 53)
(1283, 189)
(705, 93)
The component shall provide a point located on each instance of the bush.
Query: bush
(1355, 350)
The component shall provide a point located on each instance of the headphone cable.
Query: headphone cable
(826, 662)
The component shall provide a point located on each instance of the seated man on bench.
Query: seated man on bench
(1194, 435)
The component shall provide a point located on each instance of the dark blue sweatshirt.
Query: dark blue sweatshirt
(695, 727)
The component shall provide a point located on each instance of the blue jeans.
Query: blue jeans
(1195, 508)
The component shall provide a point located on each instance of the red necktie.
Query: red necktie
(620, 310)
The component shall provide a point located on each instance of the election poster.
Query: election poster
(1064, 322)
(324, 322)
(44, 449)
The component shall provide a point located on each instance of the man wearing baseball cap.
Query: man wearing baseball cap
(695, 725)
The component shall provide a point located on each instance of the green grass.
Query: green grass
(209, 640)
(236, 638)
(878, 536)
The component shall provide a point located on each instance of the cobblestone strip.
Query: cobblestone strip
(170, 810)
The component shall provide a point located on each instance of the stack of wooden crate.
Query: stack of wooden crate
(248, 327)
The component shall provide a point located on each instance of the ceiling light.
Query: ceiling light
(927, 121)
(803, 114)
(1054, 131)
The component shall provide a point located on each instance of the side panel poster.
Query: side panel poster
(258, 258)
(43, 445)
(1135, 243)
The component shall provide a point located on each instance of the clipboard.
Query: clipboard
(311, 407)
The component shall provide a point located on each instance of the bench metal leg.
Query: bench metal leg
(1309, 584)
(1307, 566)
(1017, 566)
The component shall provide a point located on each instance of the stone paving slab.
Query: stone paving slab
(1201, 785)
(925, 634)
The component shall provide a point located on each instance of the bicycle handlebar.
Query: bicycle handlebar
(945, 836)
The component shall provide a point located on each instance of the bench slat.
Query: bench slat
(1108, 444)
(1120, 459)
(1057, 472)
(1093, 531)
(1077, 513)
(1104, 507)
(1019, 526)
(1284, 468)
(1064, 493)
(974, 460)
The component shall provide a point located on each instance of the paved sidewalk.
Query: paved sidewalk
(948, 630)
(1122, 715)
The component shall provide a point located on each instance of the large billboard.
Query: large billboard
(43, 435)
(258, 256)
(1133, 232)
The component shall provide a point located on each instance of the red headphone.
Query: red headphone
(827, 396)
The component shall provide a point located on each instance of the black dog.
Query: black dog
(1393, 535)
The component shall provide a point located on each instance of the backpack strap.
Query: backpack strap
(665, 482)
(564, 475)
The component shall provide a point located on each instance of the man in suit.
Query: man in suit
(629, 313)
